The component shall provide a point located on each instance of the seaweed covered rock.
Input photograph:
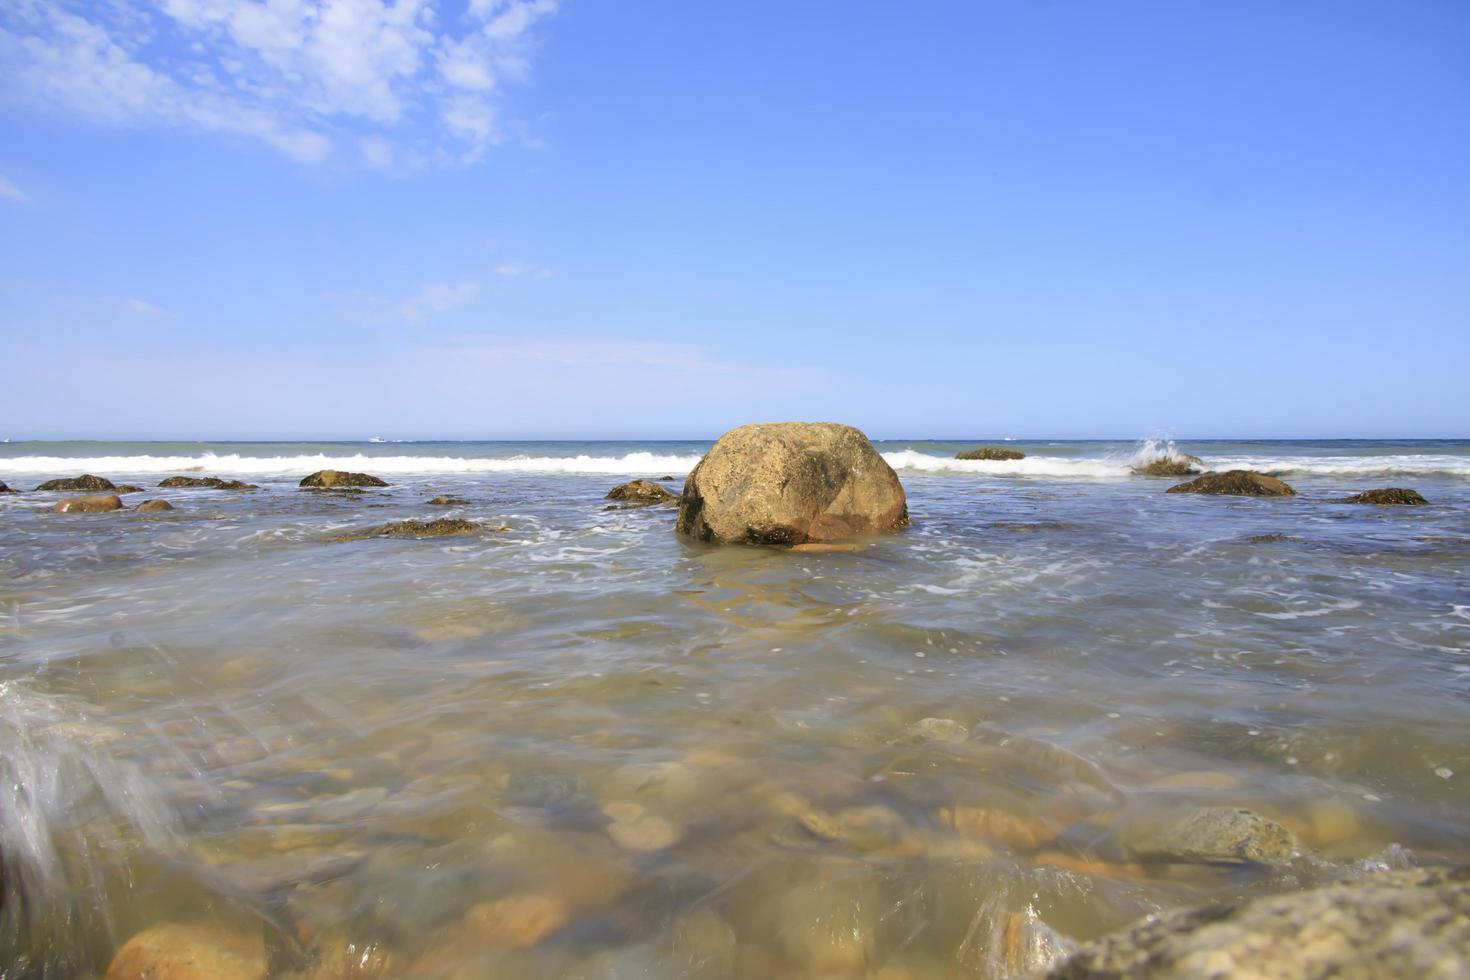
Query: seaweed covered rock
(122, 488)
(86, 483)
(445, 500)
(206, 482)
(786, 483)
(149, 506)
(1388, 496)
(1392, 924)
(1213, 835)
(991, 453)
(332, 479)
(641, 493)
(96, 504)
(440, 527)
(1236, 483)
(1171, 464)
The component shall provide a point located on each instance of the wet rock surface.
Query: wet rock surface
(446, 500)
(1236, 483)
(440, 527)
(641, 493)
(1182, 465)
(179, 951)
(86, 482)
(150, 506)
(127, 488)
(1213, 835)
(788, 483)
(6, 489)
(331, 479)
(1387, 497)
(96, 504)
(206, 482)
(995, 453)
(1392, 924)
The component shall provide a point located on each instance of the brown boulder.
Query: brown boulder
(207, 482)
(122, 488)
(86, 483)
(331, 479)
(176, 951)
(97, 504)
(641, 493)
(991, 453)
(1388, 496)
(1236, 483)
(1392, 924)
(789, 483)
(148, 506)
(1174, 464)
(440, 527)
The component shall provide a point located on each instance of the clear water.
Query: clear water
(582, 747)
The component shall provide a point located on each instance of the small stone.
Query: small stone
(179, 951)
(519, 922)
(97, 504)
(1218, 834)
(150, 506)
(644, 834)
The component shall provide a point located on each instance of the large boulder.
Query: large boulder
(791, 482)
(1388, 496)
(330, 479)
(86, 483)
(991, 453)
(1394, 924)
(1236, 483)
(97, 504)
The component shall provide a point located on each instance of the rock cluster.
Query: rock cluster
(1236, 483)
(208, 482)
(86, 483)
(991, 453)
(331, 479)
(788, 483)
(1386, 497)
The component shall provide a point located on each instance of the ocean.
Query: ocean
(583, 747)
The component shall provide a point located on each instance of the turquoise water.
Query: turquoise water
(583, 747)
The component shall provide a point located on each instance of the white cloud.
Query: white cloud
(521, 270)
(438, 297)
(139, 306)
(12, 193)
(403, 83)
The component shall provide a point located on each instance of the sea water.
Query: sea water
(583, 747)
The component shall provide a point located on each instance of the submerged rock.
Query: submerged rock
(991, 453)
(440, 527)
(179, 951)
(1215, 835)
(1182, 465)
(1388, 496)
(208, 482)
(444, 500)
(86, 482)
(97, 504)
(791, 482)
(149, 506)
(5, 489)
(127, 488)
(1236, 483)
(1394, 924)
(641, 493)
(340, 478)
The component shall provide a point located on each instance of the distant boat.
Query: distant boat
(373, 439)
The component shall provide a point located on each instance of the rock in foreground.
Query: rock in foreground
(787, 483)
(641, 493)
(991, 453)
(1215, 835)
(207, 482)
(1388, 496)
(1236, 483)
(176, 951)
(5, 489)
(1395, 924)
(441, 527)
(97, 504)
(86, 483)
(329, 479)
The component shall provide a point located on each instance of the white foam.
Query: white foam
(1035, 466)
(235, 465)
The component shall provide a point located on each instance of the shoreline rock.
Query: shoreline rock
(332, 479)
(96, 504)
(993, 453)
(1387, 497)
(1412, 923)
(150, 506)
(1214, 835)
(86, 483)
(641, 493)
(1178, 464)
(6, 489)
(439, 527)
(788, 483)
(445, 500)
(1236, 483)
(205, 482)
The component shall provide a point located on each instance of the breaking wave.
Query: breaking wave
(232, 464)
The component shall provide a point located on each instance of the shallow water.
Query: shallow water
(582, 747)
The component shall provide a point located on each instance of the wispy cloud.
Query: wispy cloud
(521, 270)
(139, 306)
(390, 84)
(10, 192)
(438, 297)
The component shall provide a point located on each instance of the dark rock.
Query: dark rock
(97, 504)
(1181, 464)
(339, 478)
(1271, 538)
(1412, 923)
(127, 488)
(86, 483)
(1213, 835)
(148, 506)
(440, 527)
(206, 482)
(1386, 497)
(641, 493)
(334, 490)
(788, 483)
(444, 500)
(991, 453)
(1236, 483)
(667, 479)
(5, 489)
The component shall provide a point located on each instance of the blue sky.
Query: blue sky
(1054, 218)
